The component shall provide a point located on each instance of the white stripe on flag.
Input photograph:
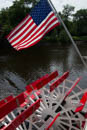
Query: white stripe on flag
(39, 31)
(35, 29)
(21, 30)
(33, 25)
(27, 45)
(19, 26)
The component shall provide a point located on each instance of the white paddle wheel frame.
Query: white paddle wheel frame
(50, 103)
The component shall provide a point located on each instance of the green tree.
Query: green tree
(66, 17)
(67, 12)
(12, 16)
(80, 18)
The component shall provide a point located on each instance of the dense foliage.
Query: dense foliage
(76, 23)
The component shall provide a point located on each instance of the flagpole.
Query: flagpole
(68, 33)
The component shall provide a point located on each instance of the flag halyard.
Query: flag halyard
(32, 29)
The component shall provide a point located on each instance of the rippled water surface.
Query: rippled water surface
(17, 69)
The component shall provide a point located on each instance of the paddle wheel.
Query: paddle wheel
(49, 103)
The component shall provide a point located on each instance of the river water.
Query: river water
(17, 69)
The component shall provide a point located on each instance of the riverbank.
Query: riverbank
(80, 38)
(47, 41)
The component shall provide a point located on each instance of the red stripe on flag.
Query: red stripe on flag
(12, 36)
(43, 30)
(47, 20)
(20, 48)
(24, 38)
(18, 43)
(22, 33)
(8, 36)
(42, 33)
(33, 33)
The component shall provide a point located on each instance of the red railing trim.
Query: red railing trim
(11, 105)
(23, 116)
(83, 102)
(58, 81)
(38, 84)
(73, 86)
(55, 118)
(5, 100)
(33, 85)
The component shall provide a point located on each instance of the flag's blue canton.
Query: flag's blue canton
(40, 11)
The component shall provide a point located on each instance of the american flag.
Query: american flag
(34, 26)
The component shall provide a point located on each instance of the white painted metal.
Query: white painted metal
(52, 104)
